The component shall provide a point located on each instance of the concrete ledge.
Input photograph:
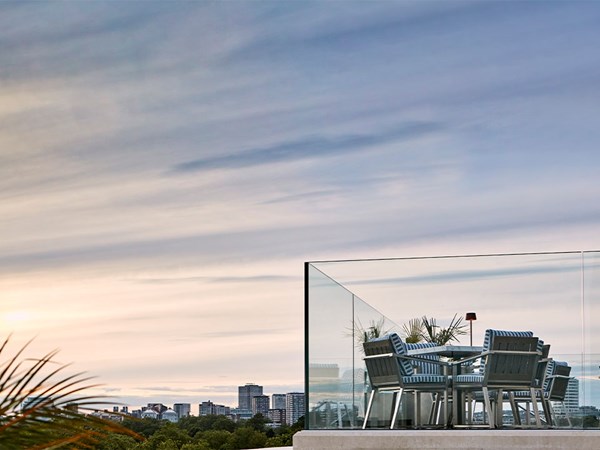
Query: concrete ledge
(447, 439)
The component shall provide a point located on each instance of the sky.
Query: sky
(167, 167)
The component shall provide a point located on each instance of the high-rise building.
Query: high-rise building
(572, 396)
(209, 408)
(277, 416)
(260, 405)
(245, 394)
(278, 401)
(294, 406)
(182, 409)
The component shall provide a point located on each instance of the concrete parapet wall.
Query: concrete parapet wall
(448, 439)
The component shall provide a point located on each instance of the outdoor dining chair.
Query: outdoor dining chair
(556, 391)
(521, 400)
(509, 364)
(390, 369)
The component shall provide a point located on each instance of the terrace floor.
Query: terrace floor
(447, 439)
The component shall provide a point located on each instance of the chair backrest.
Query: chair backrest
(542, 367)
(559, 381)
(548, 375)
(400, 348)
(512, 363)
(424, 367)
(384, 369)
(491, 334)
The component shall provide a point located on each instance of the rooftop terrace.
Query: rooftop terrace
(555, 295)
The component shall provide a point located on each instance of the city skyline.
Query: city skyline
(276, 401)
(167, 167)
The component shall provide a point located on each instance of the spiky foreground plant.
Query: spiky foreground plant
(43, 407)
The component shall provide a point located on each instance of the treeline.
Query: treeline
(201, 433)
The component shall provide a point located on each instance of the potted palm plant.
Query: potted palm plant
(426, 329)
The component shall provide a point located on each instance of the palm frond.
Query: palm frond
(36, 395)
(361, 334)
(413, 331)
(441, 336)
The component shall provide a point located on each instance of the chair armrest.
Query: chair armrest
(550, 377)
(380, 356)
(512, 352)
(469, 358)
(424, 360)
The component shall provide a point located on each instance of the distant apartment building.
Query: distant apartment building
(572, 396)
(240, 414)
(278, 401)
(294, 406)
(210, 409)
(182, 409)
(277, 416)
(245, 394)
(260, 405)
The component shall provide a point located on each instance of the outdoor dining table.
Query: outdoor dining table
(454, 353)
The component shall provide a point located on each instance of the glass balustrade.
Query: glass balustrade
(555, 295)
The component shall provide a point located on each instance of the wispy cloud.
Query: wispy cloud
(166, 167)
(230, 279)
(311, 147)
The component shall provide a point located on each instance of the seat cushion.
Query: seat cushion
(423, 379)
(521, 394)
(424, 367)
(469, 378)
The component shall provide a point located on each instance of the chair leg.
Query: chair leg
(536, 410)
(446, 413)
(514, 409)
(417, 410)
(567, 415)
(434, 413)
(552, 413)
(546, 408)
(499, 408)
(469, 409)
(488, 406)
(369, 405)
(396, 408)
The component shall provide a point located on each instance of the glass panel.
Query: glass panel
(369, 323)
(590, 376)
(555, 295)
(537, 292)
(330, 350)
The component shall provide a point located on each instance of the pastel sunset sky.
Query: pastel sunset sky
(167, 167)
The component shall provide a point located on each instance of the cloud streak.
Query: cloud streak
(311, 147)
(166, 168)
